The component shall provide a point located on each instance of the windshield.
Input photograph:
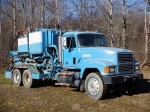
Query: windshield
(91, 40)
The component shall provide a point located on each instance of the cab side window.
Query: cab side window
(71, 42)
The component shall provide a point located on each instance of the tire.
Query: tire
(16, 77)
(95, 87)
(82, 86)
(130, 87)
(28, 82)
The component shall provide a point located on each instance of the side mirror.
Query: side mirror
(64, 42)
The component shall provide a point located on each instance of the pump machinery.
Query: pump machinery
(73, 58)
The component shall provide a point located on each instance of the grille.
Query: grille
(125, 62)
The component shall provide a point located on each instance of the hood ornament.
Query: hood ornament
(124, 48)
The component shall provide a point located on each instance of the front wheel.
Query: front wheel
(94, 86)
(28, 82)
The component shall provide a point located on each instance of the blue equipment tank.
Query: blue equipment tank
(38, 40)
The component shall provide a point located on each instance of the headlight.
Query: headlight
(109, 69)
(137, 67)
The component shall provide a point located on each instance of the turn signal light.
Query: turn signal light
(106, 70)
(109, 69)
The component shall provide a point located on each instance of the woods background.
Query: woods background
(125, 23)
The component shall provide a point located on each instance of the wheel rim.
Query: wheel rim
(93, 86)
(27, 79)
(16, 78)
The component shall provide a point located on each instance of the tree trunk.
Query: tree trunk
(31, 14)
(24, 14)
(81, 14)
(110, 22)
(0, 17)
(56, 13)
(147, 31)
(42, 12)
(124, 24)
(14, 19)
(0, 36)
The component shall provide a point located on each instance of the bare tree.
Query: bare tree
(107, 9)
(32, 9)
(124, 23)
(125, 29)
(111, 22)
(52, 8)
(0, 35)
(0, 17)
(78, 6)
(42, 12)
(147, 30)
(24, 15)
(14, 16)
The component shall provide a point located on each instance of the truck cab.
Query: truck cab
(89, 50)
(88, 53)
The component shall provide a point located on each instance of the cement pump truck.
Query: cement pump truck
(75, 58)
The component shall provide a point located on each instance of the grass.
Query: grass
(146, 71)
(65, 99)
(4, 81)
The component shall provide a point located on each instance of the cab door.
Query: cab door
(70, 55)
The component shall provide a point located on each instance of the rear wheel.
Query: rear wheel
(94, 86)
(28, 82)
(16, 77)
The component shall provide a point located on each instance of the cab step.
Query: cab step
(62, 84)
(65, 73)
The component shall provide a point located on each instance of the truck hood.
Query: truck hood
(102, 53)
(105, 50)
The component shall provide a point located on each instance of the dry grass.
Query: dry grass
(65, 99)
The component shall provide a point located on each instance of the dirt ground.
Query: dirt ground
(65, 99)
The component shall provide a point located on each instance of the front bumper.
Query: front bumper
(121, 78)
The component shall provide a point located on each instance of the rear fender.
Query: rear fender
(33, 69)
(36, 74)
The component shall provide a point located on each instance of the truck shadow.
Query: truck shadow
(143, 87)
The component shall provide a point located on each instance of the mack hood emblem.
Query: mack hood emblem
(125, 63)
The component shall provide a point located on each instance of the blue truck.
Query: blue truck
(73, 58)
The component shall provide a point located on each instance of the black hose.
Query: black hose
(14, 40)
